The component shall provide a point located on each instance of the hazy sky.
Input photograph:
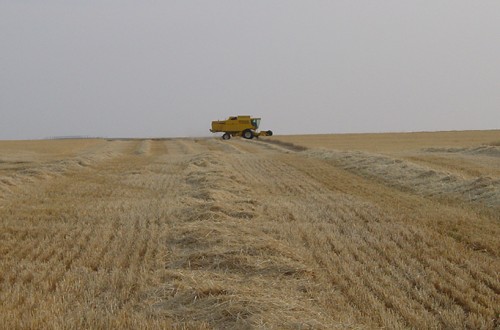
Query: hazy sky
(121, 68)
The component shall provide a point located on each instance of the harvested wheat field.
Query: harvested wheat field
(395, 231)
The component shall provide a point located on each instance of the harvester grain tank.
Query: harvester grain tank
(244, 126)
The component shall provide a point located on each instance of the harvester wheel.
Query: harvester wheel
(248, 134)
(226, 136)
(269, 133)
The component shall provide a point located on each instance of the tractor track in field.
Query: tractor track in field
(205, 233)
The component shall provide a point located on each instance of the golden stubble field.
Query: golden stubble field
(291, 232)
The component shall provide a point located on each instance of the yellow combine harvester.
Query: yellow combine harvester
(244, 126)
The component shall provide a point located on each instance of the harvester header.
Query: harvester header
(244, 126)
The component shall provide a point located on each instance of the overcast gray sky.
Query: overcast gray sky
(122, 68)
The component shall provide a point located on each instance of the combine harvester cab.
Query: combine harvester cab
(244, 126)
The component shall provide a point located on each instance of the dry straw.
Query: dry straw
(209, 234)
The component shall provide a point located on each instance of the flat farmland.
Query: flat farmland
(355, 231)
